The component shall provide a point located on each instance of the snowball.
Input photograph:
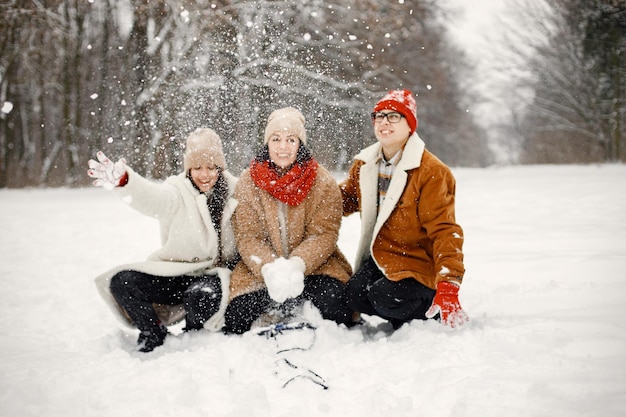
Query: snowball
(7, 107)
(284, 279)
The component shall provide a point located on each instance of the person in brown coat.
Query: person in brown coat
(286, 228)
(409, 262)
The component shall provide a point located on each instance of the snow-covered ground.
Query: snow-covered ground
(546, 259)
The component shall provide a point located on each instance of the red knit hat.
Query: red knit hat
(403, 102)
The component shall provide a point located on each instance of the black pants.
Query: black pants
(136, 291)
(370, 292)
(327, 294)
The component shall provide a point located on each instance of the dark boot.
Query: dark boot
(150, 339)
(396, 324)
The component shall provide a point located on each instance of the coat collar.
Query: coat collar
(411, 157)
(371, 219)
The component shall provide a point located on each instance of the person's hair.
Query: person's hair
(304, 155)
(216, 202)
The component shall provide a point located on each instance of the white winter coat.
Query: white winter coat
(189, 242)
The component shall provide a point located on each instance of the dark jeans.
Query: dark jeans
(136, 291)
(326, 293)
(370, 292)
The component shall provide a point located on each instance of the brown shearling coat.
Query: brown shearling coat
(415, 234)
(313, 230)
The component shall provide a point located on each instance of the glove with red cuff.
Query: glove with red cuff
(446, 303)
(106, 173)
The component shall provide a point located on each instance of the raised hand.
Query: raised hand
(106, 173)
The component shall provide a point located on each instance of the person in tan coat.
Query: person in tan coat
(409, 262)
(286, 227)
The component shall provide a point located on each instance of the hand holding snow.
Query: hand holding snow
(106, 173)
(284, 278)
(446, 304)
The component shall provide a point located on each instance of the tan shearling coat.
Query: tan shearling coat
(415, 234)
(313, 230)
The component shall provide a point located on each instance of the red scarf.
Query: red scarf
(291, 188)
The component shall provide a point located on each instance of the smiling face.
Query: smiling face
(204, 176)
(392, 136)
(283, 148)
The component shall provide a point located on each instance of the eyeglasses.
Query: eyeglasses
(393, 117)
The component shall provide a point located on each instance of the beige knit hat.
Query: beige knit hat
(287, 119)
(204, 145)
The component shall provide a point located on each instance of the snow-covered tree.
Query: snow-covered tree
(134, 77)
(577, 111)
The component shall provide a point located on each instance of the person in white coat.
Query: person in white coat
(189, 276)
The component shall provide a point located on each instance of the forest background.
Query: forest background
(134, 77)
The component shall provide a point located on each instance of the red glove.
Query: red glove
(446, 302)
(106, 173)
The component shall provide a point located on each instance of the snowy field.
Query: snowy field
(545, 286)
